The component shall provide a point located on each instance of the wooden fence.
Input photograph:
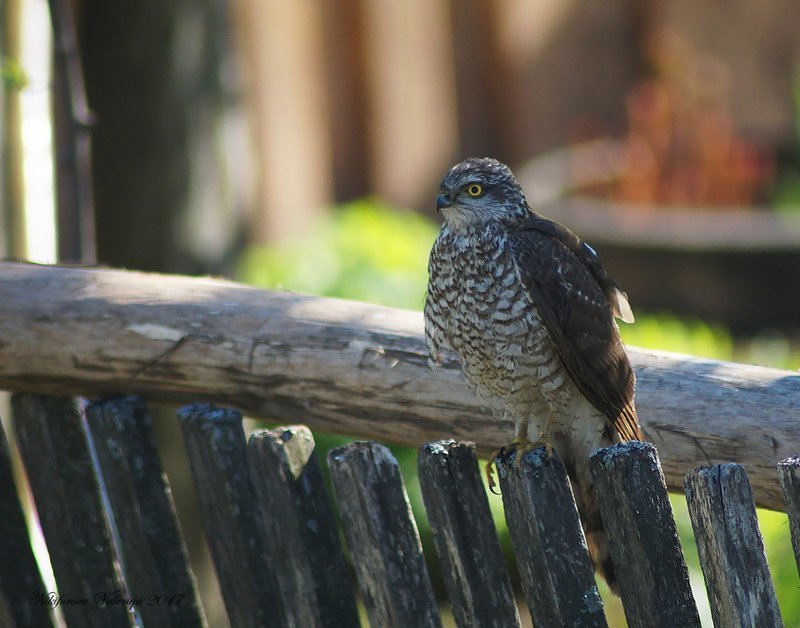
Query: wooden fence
(109, 523)
(118, 557)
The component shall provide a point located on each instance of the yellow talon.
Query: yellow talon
(520, 446)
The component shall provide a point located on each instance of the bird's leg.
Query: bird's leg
(526, 445)
(545, 436)
(520, 442)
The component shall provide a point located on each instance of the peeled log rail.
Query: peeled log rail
(346, 367)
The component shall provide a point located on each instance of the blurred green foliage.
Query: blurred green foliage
(787, 184)
(364, 251)
(14, 77)
(370, 252)
(787, 191)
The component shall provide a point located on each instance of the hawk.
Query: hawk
(530, 311)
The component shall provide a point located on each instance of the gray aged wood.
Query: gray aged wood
(474, 572)
(548, 541)
(789, 472)
(58, 461)
(20, 579)
(301, 529)
(346, 367)
(730, 547)
(382, 536)
(217, 450)
(152, 552)
(645, 548)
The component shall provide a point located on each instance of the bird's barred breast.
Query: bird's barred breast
(477, 306)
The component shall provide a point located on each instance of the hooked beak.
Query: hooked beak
(442, 201)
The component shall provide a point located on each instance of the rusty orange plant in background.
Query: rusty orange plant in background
(681, 147)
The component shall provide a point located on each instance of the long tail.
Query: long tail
(594, 530)
(589, 511)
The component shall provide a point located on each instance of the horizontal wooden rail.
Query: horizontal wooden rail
(346, 367)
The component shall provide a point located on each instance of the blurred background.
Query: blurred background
(299, 145)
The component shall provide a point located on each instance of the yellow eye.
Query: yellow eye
(474, 189)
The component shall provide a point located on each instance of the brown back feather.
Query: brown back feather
(574, 296)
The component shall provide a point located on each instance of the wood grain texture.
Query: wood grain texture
(69, 503)
(346, 367)
(730, 547)
(473, 569)
(645, 548)
(217, 452)
(153, 555)
(789, 473)
(552, 557)
(382, 536)
(301, 531)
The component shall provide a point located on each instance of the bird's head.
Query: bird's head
(480, 190)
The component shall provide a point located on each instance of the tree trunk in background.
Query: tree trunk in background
(413, 124)
(169, 155)
(348, 98)
(481, 73)
(570, 64)
(72, 141)
(3, 231)
(12, 222)
(288, 105)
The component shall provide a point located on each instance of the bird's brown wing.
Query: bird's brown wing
(575, 299)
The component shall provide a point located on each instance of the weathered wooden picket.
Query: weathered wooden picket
(118, 557)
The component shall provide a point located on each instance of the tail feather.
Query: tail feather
(596, 538)
(591, 519)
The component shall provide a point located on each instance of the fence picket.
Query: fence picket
(68, 500)
(382, 536)
(553, 561)
(217, 450)
(154, 557)
(20, 579)
(301, 529)
(645, 549)
(789, 474)
(474, 573)
(730, 547)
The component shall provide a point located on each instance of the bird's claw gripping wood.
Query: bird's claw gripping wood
(517, 448)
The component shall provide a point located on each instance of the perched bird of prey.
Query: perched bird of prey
(530, 311)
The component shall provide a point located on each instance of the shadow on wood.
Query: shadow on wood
(552, 557)
(645, 548)
(300, 528)
(217, 452)
(382, 536)
(474, 572)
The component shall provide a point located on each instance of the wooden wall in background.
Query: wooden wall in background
(379, 98)
(355, 98)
